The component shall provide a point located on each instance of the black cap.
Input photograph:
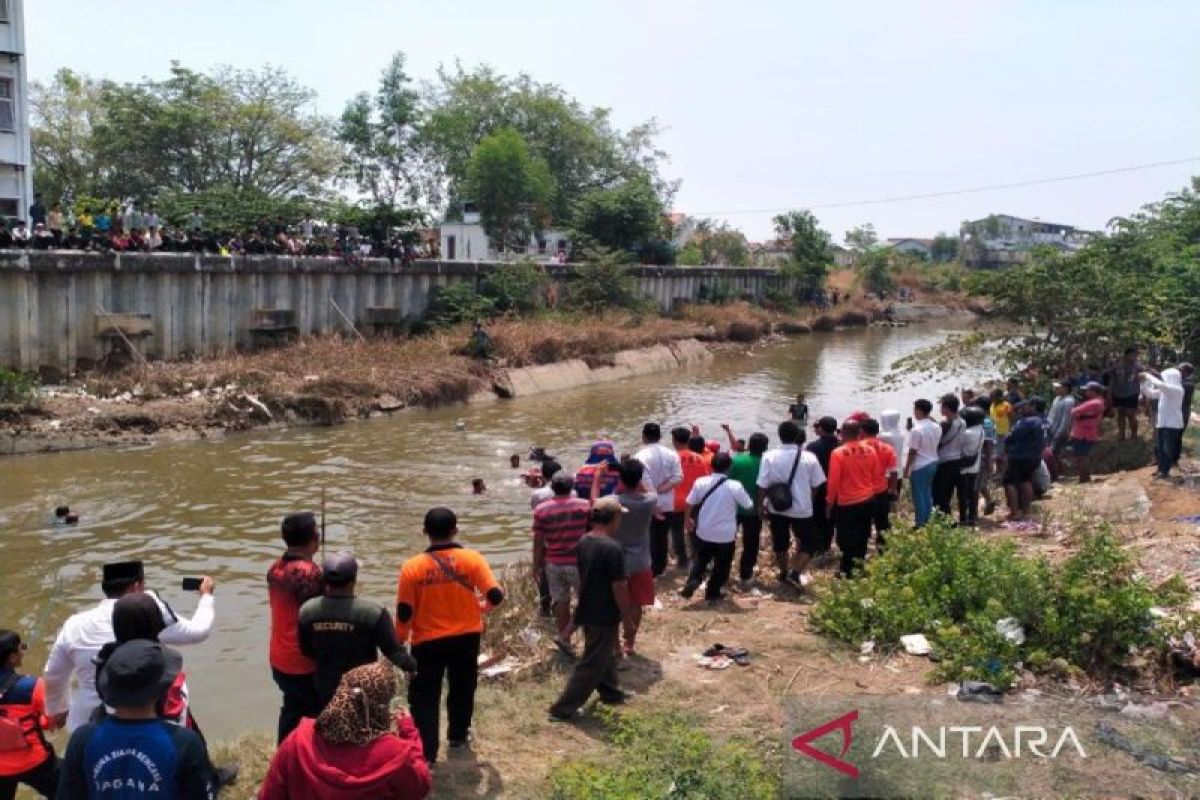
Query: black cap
(827, 424)
(340, 568)
(137, 673)
(130, 571)
(10, 642)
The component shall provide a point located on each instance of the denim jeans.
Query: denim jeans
(1168, 442)
(922, 492)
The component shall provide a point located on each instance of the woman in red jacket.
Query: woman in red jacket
(25, 755)
(355, 750)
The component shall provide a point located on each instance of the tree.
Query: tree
(862, 238)
(943, 249)
(811, 256)
(624, 218)
(512, 188)
(580, 146)
(244, 130)
(63, 114)
(385, 156)
(874, 269)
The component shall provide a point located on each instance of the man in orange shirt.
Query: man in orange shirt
(693, 465)
(850, 497)
(888, 486)
(438, 606)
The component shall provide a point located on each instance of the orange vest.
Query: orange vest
(30, 714)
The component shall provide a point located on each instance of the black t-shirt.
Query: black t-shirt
(601, 563)
(798, 410)
(823, 449)
(342, 633)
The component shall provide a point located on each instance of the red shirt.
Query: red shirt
(694, 467)
(561, 522)
(853, 471)
(291, 581)
(306, 767)
(887, 461)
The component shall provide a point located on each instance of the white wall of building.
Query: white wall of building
(466, 240)
(16, 174)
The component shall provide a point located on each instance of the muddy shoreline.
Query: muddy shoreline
(321, 382)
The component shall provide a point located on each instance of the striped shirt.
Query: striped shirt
(561, 522)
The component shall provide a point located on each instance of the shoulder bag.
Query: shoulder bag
(779, 495)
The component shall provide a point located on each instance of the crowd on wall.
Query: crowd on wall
(136, 227)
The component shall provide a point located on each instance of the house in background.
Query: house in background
(777, 252)
(1001, 240)
(921, 248)
(16, 176)
(465, 240)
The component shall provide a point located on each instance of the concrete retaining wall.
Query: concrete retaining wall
(625, 364)
(205, 305)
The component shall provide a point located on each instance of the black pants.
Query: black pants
(660, 539)
(679, 540)
(596, 671)
(945, 481)
(544, 594)
(822, 525)
(882, 519)
(853, 533)
(968, 498)
(300, 700)
(457, 659)
(720, 555)
(43, 779)
(751, 541)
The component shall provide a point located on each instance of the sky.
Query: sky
(767, 105)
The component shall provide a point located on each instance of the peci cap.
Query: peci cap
(124, 571)
(137, 673)
(340, 568)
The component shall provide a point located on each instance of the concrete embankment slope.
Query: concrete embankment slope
(571, 374)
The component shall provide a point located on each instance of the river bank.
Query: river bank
(516, 750)
(330, 380)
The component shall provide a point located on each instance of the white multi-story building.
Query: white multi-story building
(16, 175)
(464, 239)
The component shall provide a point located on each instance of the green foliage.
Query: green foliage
(622, 218)
(778, 298)
(16, 387)
(1139, 285)
(580, 146)
(950, 584)
(518, 287)
(384, 154)
(874, 268)
(665, 756)
(456, 304)
(718, 292)
(862, 238)
(62, 114)
(811, 254)
(603, 282)
(512, 187)
(244, 130)
(718, 244)
(227, 210)
(943, 249)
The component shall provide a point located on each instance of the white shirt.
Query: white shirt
(79, 642)
(540, 496)
(923, 439)
(950, 446)
(717, 522)
(662, 465)
(1169, 393)
(972, 448)
(775, 468)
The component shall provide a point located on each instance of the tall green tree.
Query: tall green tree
(624, 218)
(861, 238)
(944, 249)
(715, 244)
(385, 156)
(63, 114)
(512, 187)
(245, 130)
(811, 256)
(580, 146)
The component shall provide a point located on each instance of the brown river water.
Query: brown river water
(214, 507)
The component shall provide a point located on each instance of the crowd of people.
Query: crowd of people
(133, 227)
(602, 538)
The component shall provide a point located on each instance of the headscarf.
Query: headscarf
(137, 616)
(360, 711)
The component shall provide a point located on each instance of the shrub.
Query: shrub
(949, 584)
(457, 303)
(664, 755)
(16, 387)
(519, 287)
(602, 284)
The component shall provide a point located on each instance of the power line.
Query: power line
(951, 193)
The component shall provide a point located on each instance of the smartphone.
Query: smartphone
(191, 584)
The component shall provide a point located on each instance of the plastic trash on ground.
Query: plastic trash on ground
(1010, 628)
(979, 692)
(916, 644)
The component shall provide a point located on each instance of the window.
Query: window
(7, 106)
(451, 247)
(3, 10)
(541, 243)
(9, 207)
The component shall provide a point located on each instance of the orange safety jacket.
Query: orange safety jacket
(24, 705)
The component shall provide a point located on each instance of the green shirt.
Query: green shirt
(745, 471)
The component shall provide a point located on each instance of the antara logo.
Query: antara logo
(845, 724)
